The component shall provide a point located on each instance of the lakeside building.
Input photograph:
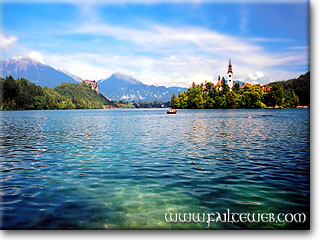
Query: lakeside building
(245, 85)
(229, 78)
(230, 75)
(230, 82)
(219, 83)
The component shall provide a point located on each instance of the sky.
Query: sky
(161, 42)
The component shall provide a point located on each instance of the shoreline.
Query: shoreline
(115, 108)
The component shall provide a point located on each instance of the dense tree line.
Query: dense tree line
(210, 96)
(154, 104)
(141, 104)
(300, 85)
(21, 94)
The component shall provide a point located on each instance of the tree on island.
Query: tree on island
(174, 101)
(236, 87)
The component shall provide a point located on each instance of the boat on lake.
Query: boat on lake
(171, 111)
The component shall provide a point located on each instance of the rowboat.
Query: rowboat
(171, 111)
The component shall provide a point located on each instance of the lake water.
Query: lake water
(124, 169)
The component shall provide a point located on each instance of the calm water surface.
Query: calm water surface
(111, 169)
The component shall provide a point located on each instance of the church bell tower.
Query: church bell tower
(230, 76)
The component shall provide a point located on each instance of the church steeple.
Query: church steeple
(230, 66)
(230, 75)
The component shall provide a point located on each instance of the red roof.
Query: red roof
(245, 84)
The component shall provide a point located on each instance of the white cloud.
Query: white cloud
(255, 76)
(261, 39)
(36, 55)
(160, 39)
(299, 48)
(7, 43)
(174, 70)
(192, 54)
(164, 37)
(177, 56)
(243, 19)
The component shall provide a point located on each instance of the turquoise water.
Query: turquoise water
(124, 169)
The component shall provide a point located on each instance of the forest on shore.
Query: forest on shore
(284, 94)
(20, 94)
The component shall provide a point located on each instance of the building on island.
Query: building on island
(230, 75)
(230, 82)
(229, 78)
(266, 88)
(204, 87)
(219, 83)
(245, 85)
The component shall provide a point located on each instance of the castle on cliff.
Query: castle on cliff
(93, 84)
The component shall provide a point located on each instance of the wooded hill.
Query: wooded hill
(20, 94)
(300, 85)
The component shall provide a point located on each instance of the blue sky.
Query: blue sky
(161, 42)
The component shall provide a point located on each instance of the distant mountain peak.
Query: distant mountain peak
(123, 77)
(120, 86)
(16, 58)
(24, 59)
(34, 71)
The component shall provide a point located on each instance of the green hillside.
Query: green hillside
(82, 96)
(300, 85)
(21, 94)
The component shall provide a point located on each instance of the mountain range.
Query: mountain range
(118, 86)
(34, 71)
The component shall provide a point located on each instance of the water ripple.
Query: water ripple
(95, 169)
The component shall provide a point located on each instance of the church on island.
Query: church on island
(230, 81)
(230, 78)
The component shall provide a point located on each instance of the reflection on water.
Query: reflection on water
(97, 169)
